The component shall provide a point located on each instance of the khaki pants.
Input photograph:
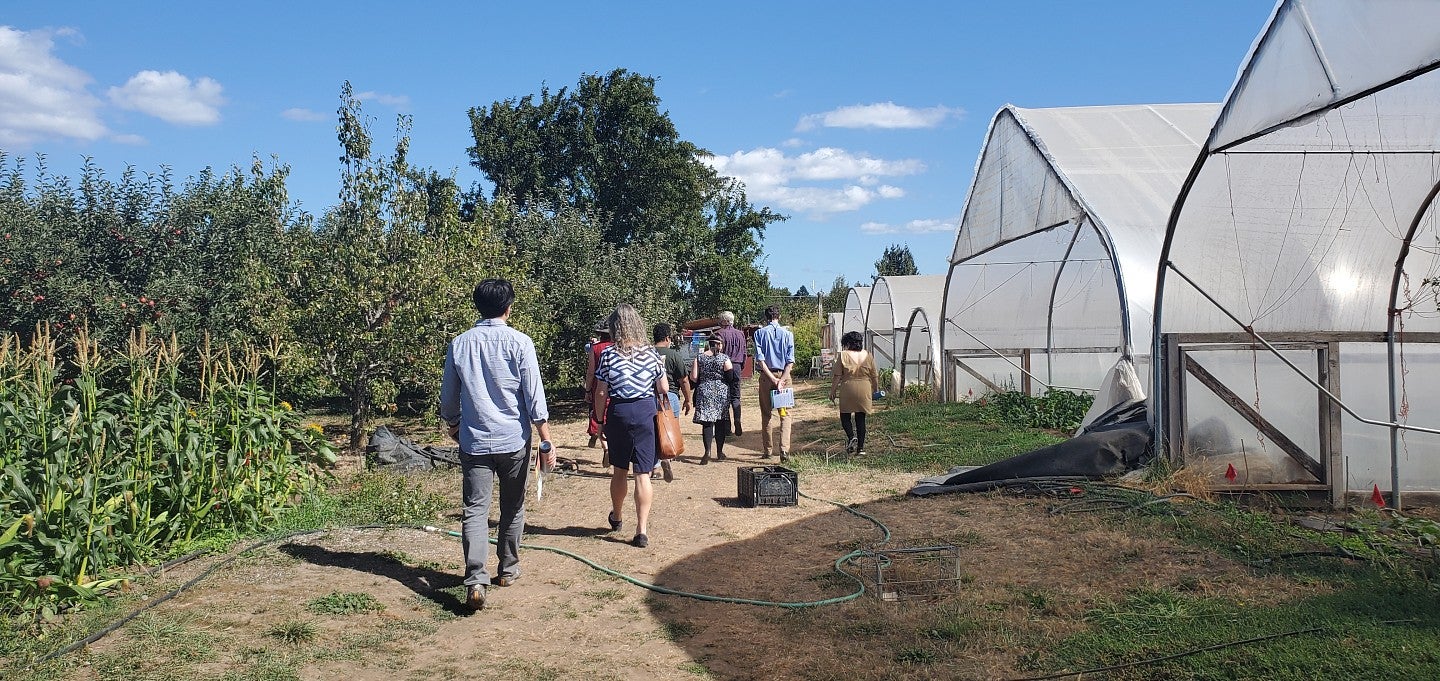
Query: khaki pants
(766, 385)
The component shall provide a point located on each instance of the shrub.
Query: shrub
(1056, 409)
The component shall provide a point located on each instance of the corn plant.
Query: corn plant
(104, 462)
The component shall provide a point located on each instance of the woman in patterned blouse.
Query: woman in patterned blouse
(628, 378)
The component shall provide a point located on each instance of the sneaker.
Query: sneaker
(640, 541)
(475, 598)
(764, 455)
(504, 580)
(784, 457)
(739, 431)
(614, 522)
(860, 453)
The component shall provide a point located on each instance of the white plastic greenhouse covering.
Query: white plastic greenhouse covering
(856, 302)
(892, 299)
(920, 348)
(1309, 218)
(1054, 260)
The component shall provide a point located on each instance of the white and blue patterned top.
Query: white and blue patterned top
(629, 376)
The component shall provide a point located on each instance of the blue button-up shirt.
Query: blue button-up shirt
(492, 388)
(775, 346)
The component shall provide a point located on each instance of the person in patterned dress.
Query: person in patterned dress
(712, 396)
(628, 380)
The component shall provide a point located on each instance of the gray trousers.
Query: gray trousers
(480, 474)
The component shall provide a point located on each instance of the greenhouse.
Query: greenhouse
(922, 346)
(1051, 282)
(892, 299)
(856, 303)
(1296, 307)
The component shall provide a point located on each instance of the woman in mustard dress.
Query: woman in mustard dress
(853, 380)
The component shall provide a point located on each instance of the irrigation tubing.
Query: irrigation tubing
(837, 567)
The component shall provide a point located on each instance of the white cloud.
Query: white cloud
(911, 227)
(171, 97)
(793, 142)
(394, 101)
(132, 140)
(42, 97)
(303, 115)
(887, 115)
(827, 180)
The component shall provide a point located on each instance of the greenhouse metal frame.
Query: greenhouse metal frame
(1302, 254)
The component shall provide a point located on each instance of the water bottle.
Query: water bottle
(879, 395)
(545, 448)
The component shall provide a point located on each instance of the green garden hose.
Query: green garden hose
(860, 585)
(842, 560)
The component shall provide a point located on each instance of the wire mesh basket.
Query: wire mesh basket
(910, 574)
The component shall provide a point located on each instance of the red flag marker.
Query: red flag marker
(1230, 473)
(1377, 497)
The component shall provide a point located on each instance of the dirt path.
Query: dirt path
(565, 620)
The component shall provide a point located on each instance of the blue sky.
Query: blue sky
(860, 120)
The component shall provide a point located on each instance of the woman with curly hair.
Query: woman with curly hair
(853, 381)
(628, 379)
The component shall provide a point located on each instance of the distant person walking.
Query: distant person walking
(712, 396)
(490, 396)
(628, 380)
(597, 345)
(735, 348)
(774, 358)
(676, 375)
(854, 380)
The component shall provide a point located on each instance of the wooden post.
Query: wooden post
(1025, 375)
(1173, 357)
(1332, 418)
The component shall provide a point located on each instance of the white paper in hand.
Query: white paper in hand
(782, 398)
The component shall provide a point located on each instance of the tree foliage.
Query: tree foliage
(114, 255)
(389, 273)
(835, 297)
(896, 261)
(606, 150)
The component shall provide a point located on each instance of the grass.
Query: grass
(336, 603)
(917, 438)
(1371, 628)
(294, 632)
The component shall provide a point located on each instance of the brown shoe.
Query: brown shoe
(475, 598)
(504, 580)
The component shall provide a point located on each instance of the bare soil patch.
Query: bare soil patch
(1027, 578)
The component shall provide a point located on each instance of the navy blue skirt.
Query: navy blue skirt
(630, 433)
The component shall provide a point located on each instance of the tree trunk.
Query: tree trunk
(359, 409)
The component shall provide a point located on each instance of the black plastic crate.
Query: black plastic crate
(767, 486)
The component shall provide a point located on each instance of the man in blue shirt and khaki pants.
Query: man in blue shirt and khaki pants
(490, 396)
(774, 357)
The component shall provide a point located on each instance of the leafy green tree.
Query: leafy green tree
(388, 276)
(575, 278)
(835, 297)
(896, 262)
(114, 256)
(607, 151)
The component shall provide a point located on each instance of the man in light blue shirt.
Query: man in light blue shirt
(490, 395)
(774, 357)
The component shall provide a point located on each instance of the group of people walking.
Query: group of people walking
(492, 397)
